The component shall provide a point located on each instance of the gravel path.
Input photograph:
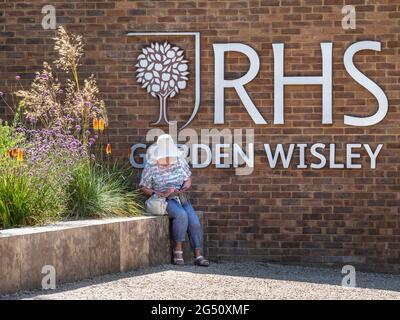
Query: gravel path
(249, 280)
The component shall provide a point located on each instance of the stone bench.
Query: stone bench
(82, 249)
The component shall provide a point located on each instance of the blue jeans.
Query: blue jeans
(185, 220)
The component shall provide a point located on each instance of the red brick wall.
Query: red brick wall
(306, 216)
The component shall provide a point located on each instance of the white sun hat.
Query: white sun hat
(163, 148)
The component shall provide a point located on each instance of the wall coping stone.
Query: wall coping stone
(63, 225)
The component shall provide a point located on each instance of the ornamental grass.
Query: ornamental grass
(55, 154)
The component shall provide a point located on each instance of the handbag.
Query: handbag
(184, 197)
(156, 206)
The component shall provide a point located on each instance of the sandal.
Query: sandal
(178, 260)
(201, 261)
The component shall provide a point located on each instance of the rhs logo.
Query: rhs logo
(152, 62)
(172, 65)
(163, 72)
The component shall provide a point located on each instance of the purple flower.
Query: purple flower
(1, 93)
(73, 144)
(87, 104)
(78, 128)
(17, 77)
(44, 77)
(45, 143)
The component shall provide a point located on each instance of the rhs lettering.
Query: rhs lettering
(280, 81)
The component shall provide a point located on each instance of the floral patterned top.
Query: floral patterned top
(161, 178)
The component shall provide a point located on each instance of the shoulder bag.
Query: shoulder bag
(156, 206)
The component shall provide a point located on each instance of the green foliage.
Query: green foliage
(50, 193)
(51, 128)
(96, 191)
(27, 199)
(9, 138)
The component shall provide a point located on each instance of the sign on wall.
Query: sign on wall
(163, 71)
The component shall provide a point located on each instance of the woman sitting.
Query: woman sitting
(167, 174)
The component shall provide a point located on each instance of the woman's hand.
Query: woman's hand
(147, 191)
(186, 185)
(167, 193)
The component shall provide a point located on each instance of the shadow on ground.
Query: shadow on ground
(327, 276)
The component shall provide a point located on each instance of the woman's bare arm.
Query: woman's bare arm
(149, 192)
(186, 185)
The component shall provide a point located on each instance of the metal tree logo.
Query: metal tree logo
(163, 72)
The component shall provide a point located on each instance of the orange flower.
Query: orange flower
(14, 153)
(101, 124)
(95, 124)
(20, 154)
(108, 149)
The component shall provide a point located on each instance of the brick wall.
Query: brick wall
(326, 216)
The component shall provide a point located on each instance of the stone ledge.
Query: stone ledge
(83, 249)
